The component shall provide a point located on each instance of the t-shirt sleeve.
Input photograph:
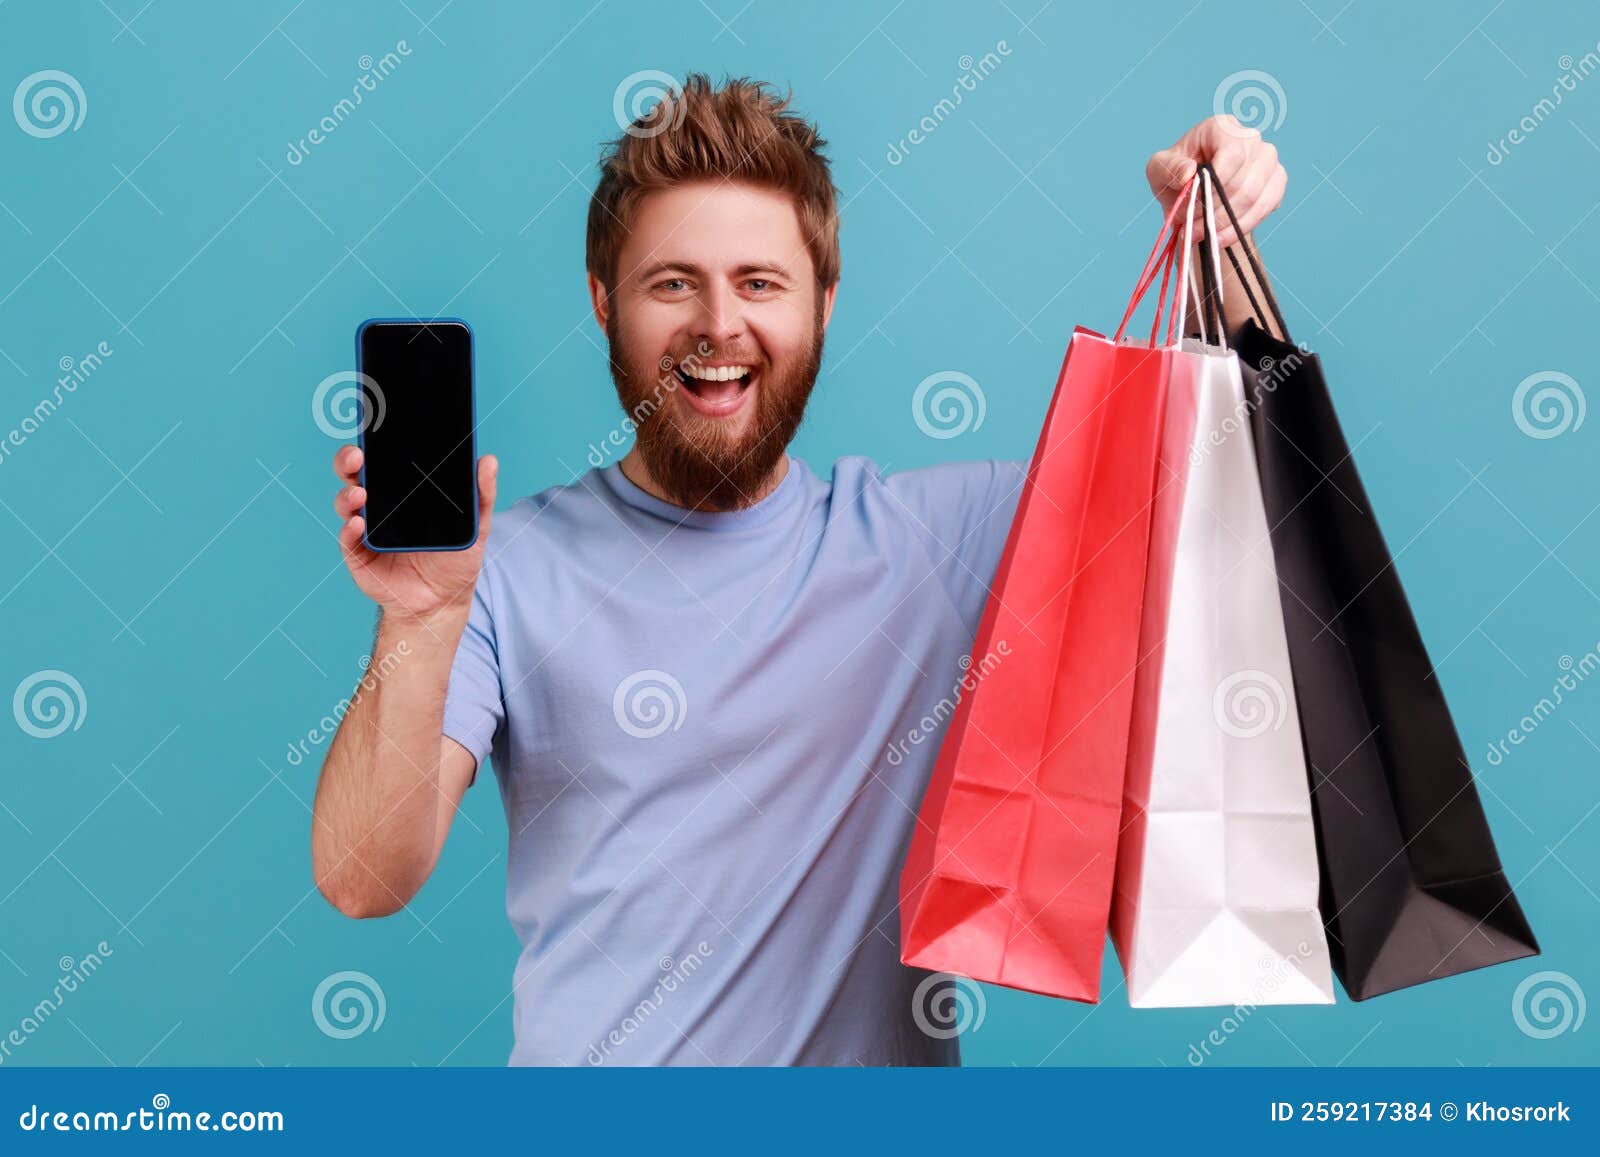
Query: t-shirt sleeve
(962, 511)
(474, 708)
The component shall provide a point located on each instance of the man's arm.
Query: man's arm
(392, 781)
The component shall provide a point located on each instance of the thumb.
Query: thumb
(1168, 172)
(488, 478)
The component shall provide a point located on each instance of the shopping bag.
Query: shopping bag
(1008, 874)
(1412, 887)
(1215, 898)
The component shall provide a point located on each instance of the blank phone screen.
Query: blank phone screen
(417, 436)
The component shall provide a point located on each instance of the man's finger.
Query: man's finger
(347, 463)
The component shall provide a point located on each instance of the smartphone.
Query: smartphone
(417, 434)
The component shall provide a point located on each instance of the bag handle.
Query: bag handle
(1170, 251)
(1255, 265)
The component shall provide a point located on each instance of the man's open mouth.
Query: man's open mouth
(716, 391)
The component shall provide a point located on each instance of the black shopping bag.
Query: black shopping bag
(1412, 887)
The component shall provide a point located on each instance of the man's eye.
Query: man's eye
(759, 284)
(673, 284)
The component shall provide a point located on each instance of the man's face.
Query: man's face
(715, 328)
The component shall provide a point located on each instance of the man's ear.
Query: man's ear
(827, 303)
(601, 301)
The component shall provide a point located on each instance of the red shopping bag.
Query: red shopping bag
(1009, 872)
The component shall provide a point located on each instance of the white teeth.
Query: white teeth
(714, 373)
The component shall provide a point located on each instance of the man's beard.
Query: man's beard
(704, 467)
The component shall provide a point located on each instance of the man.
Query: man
(696, 669)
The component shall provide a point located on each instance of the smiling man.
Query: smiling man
(696, 670)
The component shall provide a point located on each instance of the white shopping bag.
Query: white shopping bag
(1215, 900)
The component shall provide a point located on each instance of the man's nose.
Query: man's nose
(721, 317)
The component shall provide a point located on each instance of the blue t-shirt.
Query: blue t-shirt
(711, 738)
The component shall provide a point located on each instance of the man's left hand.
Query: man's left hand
(1246, 165)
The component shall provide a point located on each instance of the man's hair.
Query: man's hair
(739, 132)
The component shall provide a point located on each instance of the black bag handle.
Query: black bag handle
(1255, 265)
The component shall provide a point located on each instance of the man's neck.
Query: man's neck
(635, 471)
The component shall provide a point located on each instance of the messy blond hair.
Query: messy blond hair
(738, 132)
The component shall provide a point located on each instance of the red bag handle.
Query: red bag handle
(1170, 249)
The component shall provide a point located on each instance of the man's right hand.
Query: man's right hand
(410, 585)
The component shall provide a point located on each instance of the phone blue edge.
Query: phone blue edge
(472, 401)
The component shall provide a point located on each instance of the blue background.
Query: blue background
(169, 533)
